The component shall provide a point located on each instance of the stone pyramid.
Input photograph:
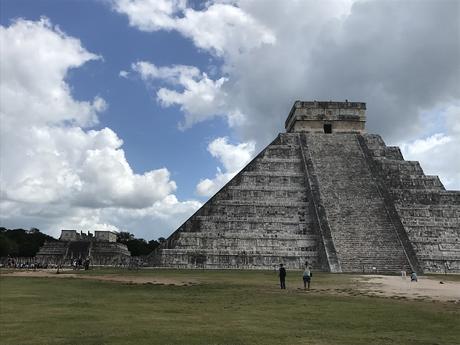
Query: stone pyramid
(327, 193)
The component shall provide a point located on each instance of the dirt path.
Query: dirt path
(426, 287)
(115, 278)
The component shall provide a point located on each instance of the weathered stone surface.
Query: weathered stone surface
(100, 249)
(429, 214)
(343, 201)
(361, 228)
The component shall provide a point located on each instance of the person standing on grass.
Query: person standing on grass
(282, 274)
(306, 277)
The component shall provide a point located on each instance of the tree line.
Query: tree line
(26, 243)
(138, 246)
(21, 242)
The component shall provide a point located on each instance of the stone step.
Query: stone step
(265, 188)
(425, 197)
(241, 253)
(252, 236)
(267, 203)
(248, 219)
(355, 210)
(273, 173)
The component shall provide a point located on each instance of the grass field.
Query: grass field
(215, 307)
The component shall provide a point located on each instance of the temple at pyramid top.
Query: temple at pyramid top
(327, 117)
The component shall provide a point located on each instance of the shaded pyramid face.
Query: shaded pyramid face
(327, 193)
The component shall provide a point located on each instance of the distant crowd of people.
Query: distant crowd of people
(21, 263)
(80, 263)
(74, 263)
(13, 263)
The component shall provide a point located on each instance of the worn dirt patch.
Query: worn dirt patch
(426, 288)
(129, 279)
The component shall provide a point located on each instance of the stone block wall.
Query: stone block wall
(430, 214)
(101, 253)
(259, 219)
(52, 252)
(109, 253)
(311, 117)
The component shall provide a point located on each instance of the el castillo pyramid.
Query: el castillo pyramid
(328, 193)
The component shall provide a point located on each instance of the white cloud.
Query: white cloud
(422, 146)
(371, 51)
(209, 187)
(232, 157)
(23, 83)
(150, 15)
(438, 153)
(199, 97)
(178, 74)
(123, 74)
(222, 28)
(56, 172)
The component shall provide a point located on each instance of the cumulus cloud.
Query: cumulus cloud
(372, 51)
(401, 57)
(23, 83)
(438, 153)
(232, 157)
(199, 97)
(222, 28)
(150, 15)
(55, 170)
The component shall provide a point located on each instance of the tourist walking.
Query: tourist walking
(306, 277)
(282, 275)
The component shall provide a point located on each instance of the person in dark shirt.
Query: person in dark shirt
(282, 274)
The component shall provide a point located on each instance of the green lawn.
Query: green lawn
(222, 307)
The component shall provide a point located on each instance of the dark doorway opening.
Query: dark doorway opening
(327, 128)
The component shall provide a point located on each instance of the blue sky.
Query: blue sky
(133, 111)
(129, 114)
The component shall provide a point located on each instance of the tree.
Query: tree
(20, 242)
(7, 247)
(153, 244)
(124, 236)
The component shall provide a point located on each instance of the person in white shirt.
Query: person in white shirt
(306, 277)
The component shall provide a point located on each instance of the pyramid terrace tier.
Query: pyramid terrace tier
(247, 243)
(429, 214)
(237, 259)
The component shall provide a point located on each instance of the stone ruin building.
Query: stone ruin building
(101, 248)
(328, 193)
